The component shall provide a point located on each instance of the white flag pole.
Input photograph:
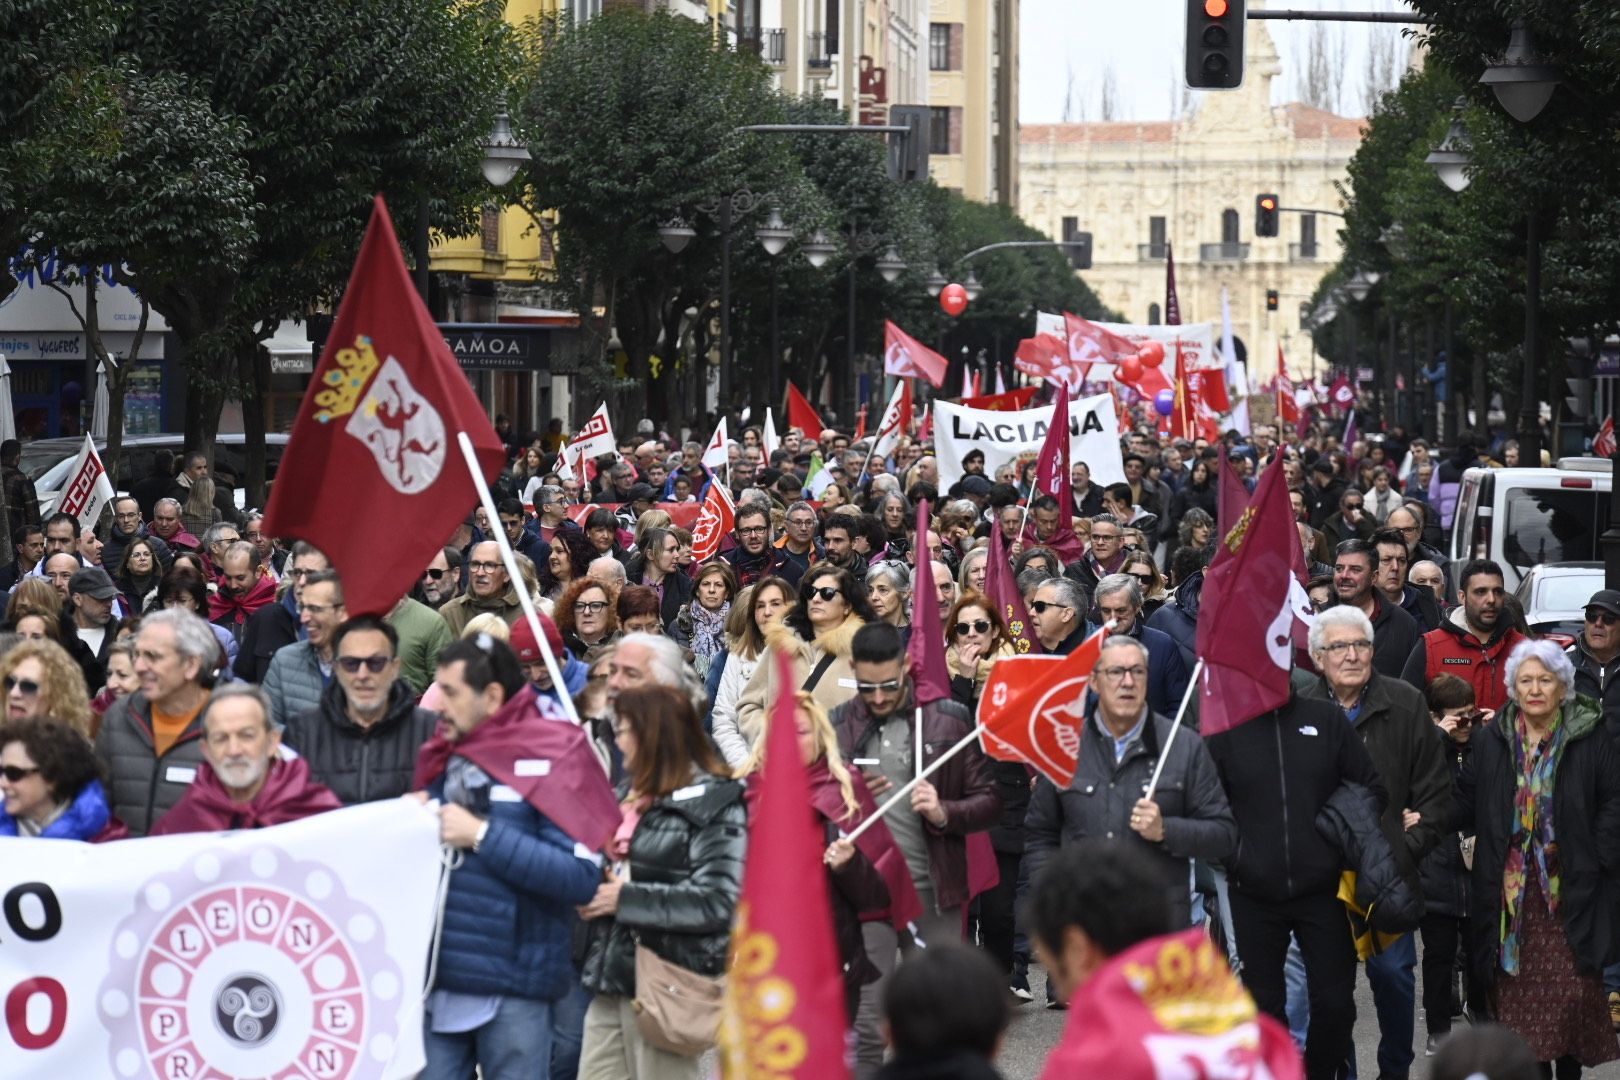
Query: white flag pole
(917, 745)
(1164, 754)
(516, 576)
(894, 800)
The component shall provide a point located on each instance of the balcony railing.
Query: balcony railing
(1225, 251)
(819, 48)
(1303, 252)
(1150, 252)
(768, 45)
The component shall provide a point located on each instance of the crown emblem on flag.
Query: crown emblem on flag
(346, 381)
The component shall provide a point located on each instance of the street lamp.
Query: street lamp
(1522, 78)
(936, 282)
(1450, 160)
(1360, 285)
(676, 234)
(891, 265)
(818, 249)
(503, 154)
(972, 287)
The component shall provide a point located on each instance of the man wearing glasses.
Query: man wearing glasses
(275, 626)
(1351, 521)
(1395, 633)
(1474, 642)
(1059, 611)
(127, 526)
(753, 557)
(1393, 722)
(1596, 652)
(488, 589)
(1119, 599)
(441, 581)
(797, 550)
(298, 673)
(361, 740)
(1105, 556)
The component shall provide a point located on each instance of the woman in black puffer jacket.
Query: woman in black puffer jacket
(674, 884)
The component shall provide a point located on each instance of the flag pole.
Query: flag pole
(917, 744)
(894, 799)
(1164, 754)
(516, 576)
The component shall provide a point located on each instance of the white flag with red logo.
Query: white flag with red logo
(769, 441)
(889, 428)
(565, 470)
(87, 489)
(1604, 444)
(714, 454)
(596, 437)
(714, 521)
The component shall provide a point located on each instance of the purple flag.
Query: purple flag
(1002, 591)
(927, 648)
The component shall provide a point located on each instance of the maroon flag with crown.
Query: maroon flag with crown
(372, 467)
(1230, 501)
(1254, 604)
(1002, 591)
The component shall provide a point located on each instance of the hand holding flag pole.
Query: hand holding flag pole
(894, 800)
(512, 571)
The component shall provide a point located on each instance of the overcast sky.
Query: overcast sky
(1142, 40)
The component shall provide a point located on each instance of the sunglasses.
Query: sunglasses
(1039, 607)
(28, 686)
(15, 773)
(826, 592)
(888, 686)
(978, 626)
(373, 664)
(1602, 618)
(434, 574)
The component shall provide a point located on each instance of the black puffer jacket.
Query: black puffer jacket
(1586, 815)
(686, 864)
(1445, 878)
(143, 787)
(362, 764)
(1350, 822)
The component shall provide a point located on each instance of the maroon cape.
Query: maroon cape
(549, 762)
(876, 843)
(289, 793)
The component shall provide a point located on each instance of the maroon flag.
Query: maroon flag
(1231, 499)
(1254, 604)
(926, 650)
(1342, 394)
(376, 433)
(1052, 477)
(1002, 591)
(1172, 302)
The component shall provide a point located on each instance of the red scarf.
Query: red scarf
(289, 794)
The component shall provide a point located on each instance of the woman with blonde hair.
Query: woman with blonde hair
(199, 511)
(867, 879)
(35, 614)
(651, 519)
(42, 682)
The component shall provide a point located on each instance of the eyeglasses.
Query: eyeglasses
(888, 686)
(300, 572)
(1352, 506)
(254, 536)
(1602, 618)
(826, 592)
(1339, 648)
(1408, 530)
(1095, 536)
(15, 773)
(483, 567)
(1039, 607)
(978, 626)
(1117, 674)
(373, 664)
(319, 609)
(28, 686)
(752, 530)
(511, 523)
(434, 574)
(589, 607)
(803, 523)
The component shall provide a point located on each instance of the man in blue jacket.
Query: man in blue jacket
(505, 954)
(1119, 597)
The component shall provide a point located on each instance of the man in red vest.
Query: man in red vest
(1474, 642)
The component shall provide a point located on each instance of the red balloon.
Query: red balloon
(1130, 369)
(953, 299)
(1151, 353)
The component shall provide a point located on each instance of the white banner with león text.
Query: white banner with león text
(1005, 436)
(295, 951)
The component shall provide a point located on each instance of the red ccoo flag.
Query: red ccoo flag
(1604, 444)
(1033, 706)
(376, 431)
(801, 414)
(714, 523)
(784, 1006)
(1255, 603)
(907, 358)
(930, 675)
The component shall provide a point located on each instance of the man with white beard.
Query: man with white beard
(246, 784)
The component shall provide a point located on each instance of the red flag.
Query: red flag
(1002, 591)
(1604, 444)
(1005, 401)
(1052, 477)
(905, 407)
(978, 384)
(1184, 417)
(714, 523)
(784, 1010)
(1172, 302)
(1255, 606)
(1170, 1006)
(1287, 404)
(930, 676)
(1341, 393)
(1231, 498)
(1046, 357)
(906, 357)
(925, 433)
(1212, 391)
(1033, 706)
(801, 414)
(1090, 344)
(377, 430)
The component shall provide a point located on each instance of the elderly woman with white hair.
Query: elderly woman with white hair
(1541, 793)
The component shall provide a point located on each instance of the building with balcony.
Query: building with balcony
(973, 97)
(1189, 186)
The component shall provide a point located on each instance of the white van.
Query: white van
(1523, 518)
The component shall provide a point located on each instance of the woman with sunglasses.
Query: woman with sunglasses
(816, 636)
(42, 682)
(975, 638)
(758, 608)
(586, 613)
(1140, 565)
(51, 784)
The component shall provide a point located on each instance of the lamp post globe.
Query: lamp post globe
(1521, 78)
(1450, 160)
(818, 249)
(891, 265)
(503, 155)
(774, 235)
(974, 289)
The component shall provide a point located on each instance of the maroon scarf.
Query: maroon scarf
(876, 843)
(289, 794)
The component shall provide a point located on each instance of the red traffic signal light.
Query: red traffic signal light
(1214, 52)
(1266, 210)
(1267, 203)
(1215, 9)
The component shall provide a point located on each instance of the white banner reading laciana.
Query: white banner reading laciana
(1197, 342)
(1004, 436)
(298, 950)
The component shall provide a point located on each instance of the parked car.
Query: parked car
(47, 461)
(1554, 597)
(1524, 518)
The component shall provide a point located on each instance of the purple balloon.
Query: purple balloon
(1164, 401)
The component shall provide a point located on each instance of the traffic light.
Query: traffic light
(1215, 44)
(1265, 215)
(1078, 246)
(908, 150)
(1580, 398)
(1271, 299)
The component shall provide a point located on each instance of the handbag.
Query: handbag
(677, 1009)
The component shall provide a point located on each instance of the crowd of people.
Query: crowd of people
(178, 670)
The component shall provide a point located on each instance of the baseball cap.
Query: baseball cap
(527, 648)
(92, 581)
(1607, 599)
(975, 485)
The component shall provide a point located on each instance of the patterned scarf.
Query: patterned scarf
(1532, 845)
(708, 634)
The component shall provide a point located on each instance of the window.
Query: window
(1071, 225)
(939, 130)
(1153, 310)
(939, 46)
(1229, 226)
(1554, 525)
(1156, 234)
(1307, 236)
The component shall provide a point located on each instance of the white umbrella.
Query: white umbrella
(98, 415)
(8, 418)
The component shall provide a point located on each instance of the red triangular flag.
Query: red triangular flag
(784, 971)
(801, 414)
(377, 432)
(930, 675)
(1255, 605)
(906, 357)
